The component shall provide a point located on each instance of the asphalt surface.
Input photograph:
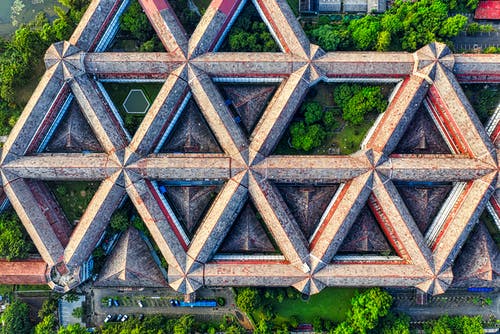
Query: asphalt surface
(453, 302)
(477, 41)
(156, 301)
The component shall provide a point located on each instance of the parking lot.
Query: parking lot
(156, 301)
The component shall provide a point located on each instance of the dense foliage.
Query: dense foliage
(160, 324)
(15, 319)
(14, 241)
(407, 25)
(310, 133)
(367, 308)
(135, 24)
(356, 101)
(24, 52)
(455, 325)
(247, 299)
(250, 34)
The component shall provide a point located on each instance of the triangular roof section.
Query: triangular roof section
(478, 263)
(307, 203)
(247, 101)
(366, 236)
(248, 235)
(424, 200)
(190, 133)
(190, 202)
(131, 264)
(71, 134)
(424, 136)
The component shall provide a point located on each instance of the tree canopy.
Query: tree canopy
(407, 25)
(247, 299)
(14, 242)
(15, 319)
(356, 101)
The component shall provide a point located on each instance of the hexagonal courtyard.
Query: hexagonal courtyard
(219, 206)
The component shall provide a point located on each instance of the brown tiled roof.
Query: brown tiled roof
(428, 83)
(130, 264)
(23, 272)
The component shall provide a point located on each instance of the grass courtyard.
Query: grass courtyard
(330, 304)
(73, 197)
(118, 92)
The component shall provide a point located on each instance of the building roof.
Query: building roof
(487, 10)
(130, 264)
(428, 134)
(23, 272)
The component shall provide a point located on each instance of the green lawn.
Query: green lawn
(118, 93)
(330, 304)
(73, 197)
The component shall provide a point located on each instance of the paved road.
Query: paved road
(453, 302)
(481, 40)
(155, 301)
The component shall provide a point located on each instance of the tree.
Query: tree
(383, 41)
(313, 112)
(71, 297)
(136, 22)
(365, 32)
(72, 329)
(328, 36)
(119, 221)
(453, 25)
(15, 319)
(356, 101)
(47, 325)
(395, 324)
(344, 328)
(49, 307)
(77, 312)
(262, 327)
(367, 308)
(184, 324)
(247, 299)
(13, 239)
(306, 137)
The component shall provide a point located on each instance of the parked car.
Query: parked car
(108, 318)
(174, 302)
(141, 317)
(140, 303)
(119, 318)
(116, 302)
(110, 302)
(125, 317)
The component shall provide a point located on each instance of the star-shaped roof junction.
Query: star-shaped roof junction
(428, 90)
